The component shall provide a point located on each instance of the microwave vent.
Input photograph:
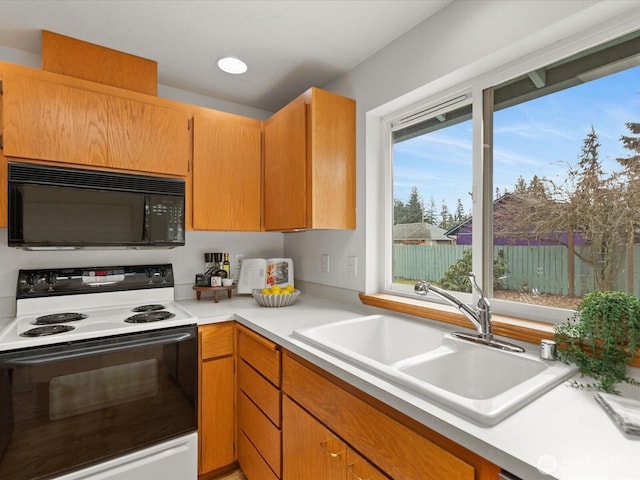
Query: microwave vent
(79, 178)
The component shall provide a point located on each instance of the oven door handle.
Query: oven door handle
(75, 351)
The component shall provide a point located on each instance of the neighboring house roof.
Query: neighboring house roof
(457, 229)
(418, 231)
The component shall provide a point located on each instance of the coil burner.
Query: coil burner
(149, 308)
(150, 317)
(59, 318)
(46, 330)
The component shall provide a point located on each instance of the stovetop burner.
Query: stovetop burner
(59, 318)
(149, 308)
(150, 317)
(46, 330)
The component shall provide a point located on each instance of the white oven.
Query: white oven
(104, 389)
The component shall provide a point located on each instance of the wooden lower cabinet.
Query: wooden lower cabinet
(216, 406)
(311, 450)
(326, 420)
(259, 407)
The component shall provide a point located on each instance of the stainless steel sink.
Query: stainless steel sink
(480, 383)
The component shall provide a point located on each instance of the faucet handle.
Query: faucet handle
(421, 288)
(482, 301)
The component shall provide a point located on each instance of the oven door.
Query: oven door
(68, 406)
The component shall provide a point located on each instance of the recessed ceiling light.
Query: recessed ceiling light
(232, 65)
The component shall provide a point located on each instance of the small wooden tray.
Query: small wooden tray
(215, 291)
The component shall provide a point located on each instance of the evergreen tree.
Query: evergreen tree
(631, 143)
(399, 211)
(459, 216)
(446, 219)
(431, 212)
(415, 209)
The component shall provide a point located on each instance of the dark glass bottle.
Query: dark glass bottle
(226, 265)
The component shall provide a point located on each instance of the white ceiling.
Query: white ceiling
(288, 45)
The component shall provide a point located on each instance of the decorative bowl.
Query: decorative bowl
(275, 300)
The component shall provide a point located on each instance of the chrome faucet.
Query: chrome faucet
(479, 316)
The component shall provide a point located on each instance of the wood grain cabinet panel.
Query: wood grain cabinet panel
(227, 172)
(48, 121)
(262, 354)
(310, 164)
(148, 137)
(253, 465)
(259, 406)
(368, 427)
(260, 390)
(216, 406)
(310, 449)
(263, 434)
(285, 168)
(45, 120)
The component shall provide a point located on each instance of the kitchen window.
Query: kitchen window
(544, 208)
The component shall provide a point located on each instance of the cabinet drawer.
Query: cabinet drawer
(264, 435)
(257, 388)
(216, 340)
(253, 465)
(261, 354)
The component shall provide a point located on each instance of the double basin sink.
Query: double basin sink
(481, 383)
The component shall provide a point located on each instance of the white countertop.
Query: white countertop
(564, 434)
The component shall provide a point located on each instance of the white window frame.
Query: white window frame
(482, 171)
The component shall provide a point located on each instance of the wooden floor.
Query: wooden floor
(235, 475)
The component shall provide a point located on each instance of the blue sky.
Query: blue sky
(538, 137)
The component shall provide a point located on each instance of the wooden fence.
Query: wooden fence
(541, 268)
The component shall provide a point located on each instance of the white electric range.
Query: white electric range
(99, 363)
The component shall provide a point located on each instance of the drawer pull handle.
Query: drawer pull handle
(324, 446)
(354, 474)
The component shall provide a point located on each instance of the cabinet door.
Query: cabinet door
(148, 138)
(285, 169)
(216, 405)
(48, 121)
(309, 449)
(217, 418)
(332, 161)
(226, 173)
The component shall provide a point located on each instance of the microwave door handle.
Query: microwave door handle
(79, 351)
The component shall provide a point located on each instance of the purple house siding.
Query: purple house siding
(463, 236)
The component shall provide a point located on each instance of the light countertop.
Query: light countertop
(564, 434)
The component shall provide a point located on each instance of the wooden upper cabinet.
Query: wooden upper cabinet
(285, 168)
(48, 121)
(148, 138)
(226, 172)
(52, 121)
(309, 164)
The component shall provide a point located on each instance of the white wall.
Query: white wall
(463, 41)
(187, 260)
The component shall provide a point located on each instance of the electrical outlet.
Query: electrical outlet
(239, 258)
(325, 263)
(352, 265)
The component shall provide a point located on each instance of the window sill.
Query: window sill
(504, 326)
(511, 327)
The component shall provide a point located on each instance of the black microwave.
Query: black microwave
(55, 207)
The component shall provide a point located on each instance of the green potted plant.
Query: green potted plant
(602, 338)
